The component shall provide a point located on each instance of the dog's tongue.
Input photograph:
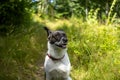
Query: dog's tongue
(63, 46)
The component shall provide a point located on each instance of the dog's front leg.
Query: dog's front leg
(47, 77)
(69, 78)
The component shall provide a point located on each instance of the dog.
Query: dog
(57, 64)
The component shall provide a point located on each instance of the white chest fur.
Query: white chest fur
(58, 68)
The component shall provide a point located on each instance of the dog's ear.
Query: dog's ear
(48, 31)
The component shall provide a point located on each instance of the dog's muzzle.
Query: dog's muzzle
(62, 43)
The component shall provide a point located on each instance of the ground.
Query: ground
(40, 72)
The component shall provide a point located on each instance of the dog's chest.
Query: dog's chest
(56, 64)
(57, 69)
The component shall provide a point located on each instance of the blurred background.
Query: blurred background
(92, 27)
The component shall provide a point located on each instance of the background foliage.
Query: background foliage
(92, 26)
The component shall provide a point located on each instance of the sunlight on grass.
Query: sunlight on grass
(93, 49)
(53, 24)
(78, 74)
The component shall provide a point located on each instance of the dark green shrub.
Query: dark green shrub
(14, 13)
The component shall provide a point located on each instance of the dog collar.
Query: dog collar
(54, 59)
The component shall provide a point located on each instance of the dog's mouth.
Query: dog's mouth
(62, 45)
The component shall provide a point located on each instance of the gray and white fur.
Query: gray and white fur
(57, 64)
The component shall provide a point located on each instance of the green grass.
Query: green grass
(93, 50)
(22, 52)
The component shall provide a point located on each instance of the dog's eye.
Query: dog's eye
(57, 36)
(54, 38)
(64, 34)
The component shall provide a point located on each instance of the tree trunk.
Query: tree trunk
(107, 8)
(86, 8)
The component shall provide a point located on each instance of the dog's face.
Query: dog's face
(57, 38)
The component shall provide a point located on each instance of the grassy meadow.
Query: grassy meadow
(94, 49)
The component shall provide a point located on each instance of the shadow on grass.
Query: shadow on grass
(22, 52)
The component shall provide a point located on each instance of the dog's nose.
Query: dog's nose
(65, 39)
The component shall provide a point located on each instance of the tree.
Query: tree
(14, 13)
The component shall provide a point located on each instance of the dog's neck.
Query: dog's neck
(55, 51)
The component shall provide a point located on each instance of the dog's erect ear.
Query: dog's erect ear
(48, 31)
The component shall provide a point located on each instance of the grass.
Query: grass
(93, 50)
(21, 53)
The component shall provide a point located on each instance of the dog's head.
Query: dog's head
(57, 38)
